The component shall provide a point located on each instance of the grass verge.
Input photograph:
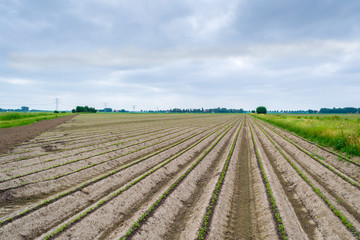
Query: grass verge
(343, 219)
(342, 133)
(19, 119)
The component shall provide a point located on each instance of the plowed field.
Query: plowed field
(169, 176)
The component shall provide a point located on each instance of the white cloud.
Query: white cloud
(138, 58)
(181, 53)
(17, 81)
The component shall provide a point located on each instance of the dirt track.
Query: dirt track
(15, 135)
(95, 176)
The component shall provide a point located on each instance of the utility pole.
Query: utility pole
(105, 104)
(57, 103)
(133, 107)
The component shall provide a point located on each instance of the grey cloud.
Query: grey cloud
(287, 54)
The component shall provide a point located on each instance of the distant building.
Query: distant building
(24, 109)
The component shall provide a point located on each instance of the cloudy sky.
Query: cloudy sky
(284, 54)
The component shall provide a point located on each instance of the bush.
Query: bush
(84, 109)
(261, 110)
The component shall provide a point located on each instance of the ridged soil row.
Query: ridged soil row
(120, 207)
(213, 201)
(67, 138)
(102, 161)
(341, 196)
(233, 217)
(347, 166)
(40, 154)
(62, 146)
(59, 148)
(305, 195)
(63, 181)
(175, 210)
(345, 175)
(118, 145)
(21, 168)
(339, 193)
(54, 135)
(34, 165)
(139, 164)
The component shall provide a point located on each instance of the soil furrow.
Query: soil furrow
(122, 206)
(100, 178)
(52, 165)
(76, 166)
(339, 164)
(200, 166)
(232, 217)
(56, 150)
(330, 219)
(344, 194)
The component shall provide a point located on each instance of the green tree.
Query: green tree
(261, 110)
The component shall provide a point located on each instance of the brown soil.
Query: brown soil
(243, 209)
(15, 135)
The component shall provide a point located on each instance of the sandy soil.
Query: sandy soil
(242, 211)
(15, 135)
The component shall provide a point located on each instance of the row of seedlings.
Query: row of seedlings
(279, 222)
(210, 209)
(121, 190)
(343, 219)
(101, 162)
(341, 157)
(93, 181)
(156, 204)
(318, 159)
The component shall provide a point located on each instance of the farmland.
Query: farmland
(176, 176)
(341, 132)
(19, 119)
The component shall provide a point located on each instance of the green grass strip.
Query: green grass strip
(48, 201)
(209, 212)
(343, 219)
(19, 119)
(147, 213)
(316, 158)
(279, 222)
(306, 140)
(112, 196)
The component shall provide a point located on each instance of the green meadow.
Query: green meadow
(341, 132)
(14, 119)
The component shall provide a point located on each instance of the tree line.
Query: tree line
(81, 109)
(210, 110)
(340, 110)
